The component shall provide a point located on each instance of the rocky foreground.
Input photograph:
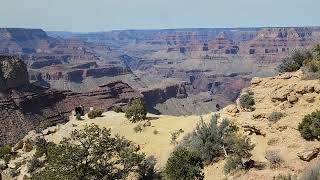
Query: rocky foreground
(288, 93)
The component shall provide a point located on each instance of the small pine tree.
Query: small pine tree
(136, 111)
(91, 153)
(95, 113)
(247, 101)
(184, 164)
(310, 126)
(294, 61)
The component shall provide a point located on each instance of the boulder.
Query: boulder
(3, 165)
(50, 130)
(27, 146)
(317, 88)
(280, 95)
(232, 108)
(285, 105)
(247, 163)
(292, 98)
(18, 146)
(258, 115)
(309, 98)
(256, 81)
(284, 76)
(309, 154)
(303, 89)
(148, 123)
(251, 129)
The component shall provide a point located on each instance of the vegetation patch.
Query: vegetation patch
(247, 100)
(294, 61)
(175, 135)
(310, 126)
(5, 153)
(91, 153)
(275, 116)
(34, 164)
(312, 173)
(306, 59)
(184, 164)
(138, 128)
(215, 141)
(95, 113)
(117, 109)
(136, 111)
(274, 158)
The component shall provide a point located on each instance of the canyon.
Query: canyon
(25, 105)
(176, 70)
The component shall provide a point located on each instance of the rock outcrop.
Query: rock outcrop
(23, 105)
(291, 97)
(13, 73)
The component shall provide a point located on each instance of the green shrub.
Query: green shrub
(175, 135)
(294, 61)
(286, 177)
(311, 174)
(95, 113)
(232, 163)
(41, 147)
(155, 132)
(274, 158)
(214, 141)
(34, 164)
(136, 111)
(14, 172)
(311, 69)
(316, 51)
(275, 116)
(91, 153)
(147, 169)
(117, 109)
(310, 126)
(42, 126)
(78, 117)
(247, 100)
(4, 151)
(138, 128)
(184, 164)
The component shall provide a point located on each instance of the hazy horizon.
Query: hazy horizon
(107, 15)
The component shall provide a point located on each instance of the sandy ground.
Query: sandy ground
(157, 145)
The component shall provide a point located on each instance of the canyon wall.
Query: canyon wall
(213, 63)
(24, 105)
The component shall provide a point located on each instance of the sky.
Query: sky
(105, 15)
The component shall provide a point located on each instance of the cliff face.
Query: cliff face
(104, 97)
(215, 63)
(34, 45)
(13, 73)
(210, 43)
(23, 105)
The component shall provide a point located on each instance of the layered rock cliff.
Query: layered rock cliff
(216, 63)
(23, 105)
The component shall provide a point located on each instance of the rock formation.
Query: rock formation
(214, 63)
(24, 105)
